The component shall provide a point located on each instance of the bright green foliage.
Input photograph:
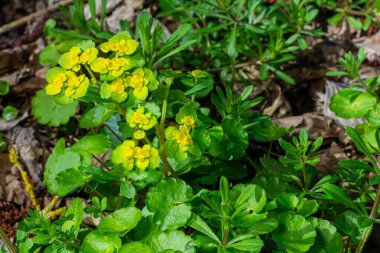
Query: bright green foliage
(164, 169)
(9, 113)
(47, 111)
(168, 201)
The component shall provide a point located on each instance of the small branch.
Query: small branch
(19, 22)
(368, 230)
(114, 133)
(101, 163)
(8, 245)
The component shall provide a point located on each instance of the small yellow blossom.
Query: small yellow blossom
(75, 57)
(115, 90)
(146, 157)
(130, 156)
(72, 86)
(139, 134)
(114, 67)
(141, 119)
(123, 154)
(181, 135)
(142, 81)
(121, 44)
(188, 121)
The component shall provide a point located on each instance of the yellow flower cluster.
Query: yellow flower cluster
(61, 80)
(141, 81)
(115, 67)
(121, 44)
(129, 156)
(75, 57)
(140, 121)
(182, 134)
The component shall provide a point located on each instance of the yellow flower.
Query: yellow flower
(139, 134)
(188, 121)
(180, 135)
(75, 57)
(72, 86)
(146, 157)
(115, 90)
(183, 137)
(121, 44)
(123, 154)
(140, 119)
(114, 67)
(142, 81)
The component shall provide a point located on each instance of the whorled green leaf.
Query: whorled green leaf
(168, 201)
(250, 201)
(295, 234)
(47, 111)
(229, 141)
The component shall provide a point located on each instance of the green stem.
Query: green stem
(166, 167)
(101, 162)
(93, 78)
(368, 230)
(120, 108)
(8, 245)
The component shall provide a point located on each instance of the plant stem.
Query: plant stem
(166, 167)
(8, 245)
(101, 162)
(93, 78)
(114, 133)
(373, 215)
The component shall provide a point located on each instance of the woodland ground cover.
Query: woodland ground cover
(191, 126)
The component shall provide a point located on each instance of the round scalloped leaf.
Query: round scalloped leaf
(48, 112)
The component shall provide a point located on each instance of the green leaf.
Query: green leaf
(339, 195)
(121, 221)
(361, 146)
(287, 201)
(266, 131)
(59, 161)
(336, 73)
(347, 224)
(263, 72)
(355, 165)
(73, 217)
(263, 227)
(373, 116)
(9, 113)
(172, 240)
(229, 144)
(200, 225)
(349, 103)
(286, 78)
(101, 242)
(135, 247)
(307, 207)
(93, 144)
(48, 112)
(374, 180)
(231, 43)
(4, 87)
(49, 56)
(96, 116)
(248, 245)
(168, 201)
(295, 234)
(250, 201)
(354, 22)
(335, 19)
(328, 239)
